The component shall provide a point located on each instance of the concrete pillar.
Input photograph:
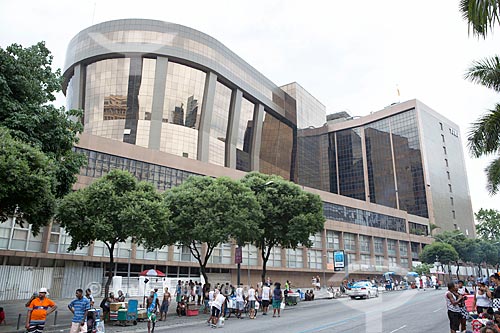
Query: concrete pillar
(258, 118)
(232, 133)
(159, 87)
(207, 107)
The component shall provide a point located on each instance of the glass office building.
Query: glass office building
(164, 102)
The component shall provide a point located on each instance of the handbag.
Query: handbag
(282, 305)
(496, 303)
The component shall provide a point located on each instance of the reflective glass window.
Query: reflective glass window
(379, 163)
(332, 161)
(245, 134)
(218, 126)
(181, 110)
(250, 255)
(391, 247)
(378, 245)
(403, 248)
(364, 243)
(145, 101)
(332, 240)
(408, 160)
(350, 163)
(276, 147)
(106, 90)
(313, 160)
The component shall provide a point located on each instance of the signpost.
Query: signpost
(238, 258)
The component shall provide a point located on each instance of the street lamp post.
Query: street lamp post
(248, 263)
(128, 271)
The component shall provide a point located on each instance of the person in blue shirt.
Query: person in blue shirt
(79, 307)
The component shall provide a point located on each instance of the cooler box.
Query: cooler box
(192, 312)
(469, 302)
(142, 313)
(117, 306)
(122, 314)
(113, 315)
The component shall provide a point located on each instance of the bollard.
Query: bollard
(18, 321)
(55, 318)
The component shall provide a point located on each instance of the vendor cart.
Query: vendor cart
(292, 298)
(126, 315)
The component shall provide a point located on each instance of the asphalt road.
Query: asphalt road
(405, 311)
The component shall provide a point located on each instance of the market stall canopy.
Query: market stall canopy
(412, 274)
(152, 272)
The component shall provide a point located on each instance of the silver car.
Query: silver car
(363, 289)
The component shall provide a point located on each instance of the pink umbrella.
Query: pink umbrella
(152, 272)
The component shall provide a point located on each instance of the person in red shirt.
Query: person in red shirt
(2, 317)
(38, 310)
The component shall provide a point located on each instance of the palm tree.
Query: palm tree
(481, 15)
(484, 137)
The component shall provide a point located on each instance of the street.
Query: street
(400, 311)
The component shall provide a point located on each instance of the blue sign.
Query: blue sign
(338, 260)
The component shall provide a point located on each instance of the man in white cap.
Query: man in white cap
(38, 310)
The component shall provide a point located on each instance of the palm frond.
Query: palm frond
(485, 72)
(493, 176)
(481, 15)
(484, 136)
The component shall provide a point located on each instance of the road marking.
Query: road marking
(437, 310)
(397, 329)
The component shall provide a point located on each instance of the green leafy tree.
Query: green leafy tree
(290, 214)
(483, 139)
(422, 269)
(211, 211)
(488, 227)
(460, 243)
(442, 252)
(27, 182)
(28, 85)
(113, 209)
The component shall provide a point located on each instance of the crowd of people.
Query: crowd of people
(482, 296)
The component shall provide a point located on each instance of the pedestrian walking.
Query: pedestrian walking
(38, 310)
(277, 299)
(152, 308)
(79, 307)
(164, 305)
(217, 308)
(178, 291)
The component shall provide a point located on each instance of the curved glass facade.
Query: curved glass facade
(218, 127)
(182, 110)
(245, 135)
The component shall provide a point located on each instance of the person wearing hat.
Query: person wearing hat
(38, 310)
(152, 309)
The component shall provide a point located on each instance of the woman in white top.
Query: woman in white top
(251, 298)
(482, 299)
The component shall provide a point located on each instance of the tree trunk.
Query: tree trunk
(265, 258)
(111, 266)
(203, 272)
(458, 269)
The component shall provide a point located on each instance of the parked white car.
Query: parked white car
(363, 289)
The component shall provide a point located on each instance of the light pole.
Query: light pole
(128, 270)
(248, 263)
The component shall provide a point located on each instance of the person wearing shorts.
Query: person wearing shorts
(453, 299)
(266, 293)
(152, 308)
(251, 302)
(38, 310)
(240, 302)
(79, 307)
(277, 298)
(216, 309)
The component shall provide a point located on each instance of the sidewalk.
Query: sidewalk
(60, 320)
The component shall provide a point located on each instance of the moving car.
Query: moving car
(363, 289)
